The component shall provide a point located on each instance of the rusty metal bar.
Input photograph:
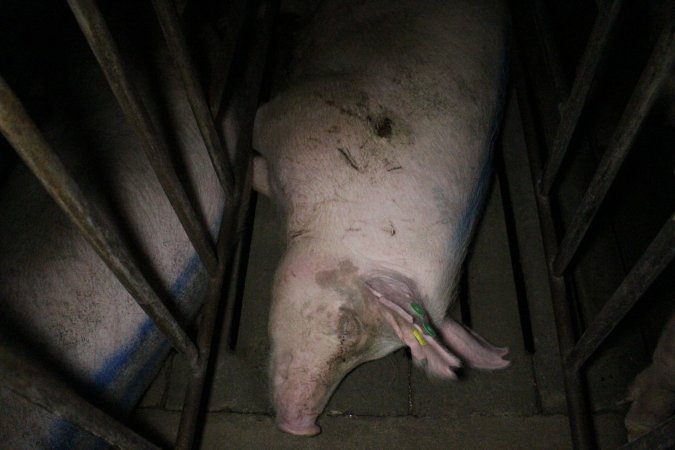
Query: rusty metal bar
(195, 388)
(169, 21)
(577, 403)
(228, 45)
(654, 260)
(654, 74)
(100, 40)
(246, 97)
(660, 438)
(38, 386)
(585, 76)
(31, 146)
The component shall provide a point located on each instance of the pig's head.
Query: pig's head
(327, 318)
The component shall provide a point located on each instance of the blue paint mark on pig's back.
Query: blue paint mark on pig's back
(477, 197)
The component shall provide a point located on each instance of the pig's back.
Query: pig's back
(381, 144)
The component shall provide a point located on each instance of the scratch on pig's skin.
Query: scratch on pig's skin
(350, 159)
(297, 233)
(342, 109)
(391, 169)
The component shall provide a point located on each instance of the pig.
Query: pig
(377, 153)
(653, 392)
(57, 298)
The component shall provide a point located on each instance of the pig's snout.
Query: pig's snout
(305, 426)
(298, 400)
(295, 415)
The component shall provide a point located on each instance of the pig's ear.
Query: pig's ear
(472, 348)
(439, 355)
(261, 181)
(427, 351)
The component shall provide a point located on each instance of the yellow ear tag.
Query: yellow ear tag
(419, 337)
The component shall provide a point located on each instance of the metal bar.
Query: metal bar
(228, 46)
(41, 388)
(660, 438)
(175, 39)
(100, 40)
(654, 260)
(586, 73)
(577, 403)
(31, 146)
(246, 95)
(195, 388)
(654, 74)
(551, 60)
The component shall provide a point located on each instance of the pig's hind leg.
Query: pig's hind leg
(261, 182)
(653, 391)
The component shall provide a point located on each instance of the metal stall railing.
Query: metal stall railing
(560, 251)
(29, 379)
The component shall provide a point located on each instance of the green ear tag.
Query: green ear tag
(417, 309)
(429, 330)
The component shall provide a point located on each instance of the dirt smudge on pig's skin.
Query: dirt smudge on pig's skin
(331, 279)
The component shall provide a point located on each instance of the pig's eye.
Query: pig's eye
(349, 326)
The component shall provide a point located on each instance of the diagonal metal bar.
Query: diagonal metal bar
(36, 385)
(100, 40)
(169, 21)
(31, 146)
(654, 74)
(577, 402)
(230, 30)
(573, 106)
(660, 438)
(654, 260)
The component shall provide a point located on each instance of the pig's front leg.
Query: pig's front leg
(653, 391)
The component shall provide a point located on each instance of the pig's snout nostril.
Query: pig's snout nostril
(299, 429)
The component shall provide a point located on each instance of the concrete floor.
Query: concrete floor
(390, 403)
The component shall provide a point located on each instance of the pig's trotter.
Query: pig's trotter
(653, 391)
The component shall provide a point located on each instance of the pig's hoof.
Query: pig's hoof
(299, 430)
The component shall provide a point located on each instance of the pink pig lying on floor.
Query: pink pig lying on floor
(378, 155)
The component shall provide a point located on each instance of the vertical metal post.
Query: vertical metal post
(245, 99)
(577, 403)
(654, 74)
(175, 39)
(100, 40)
(31, 146)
